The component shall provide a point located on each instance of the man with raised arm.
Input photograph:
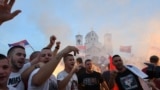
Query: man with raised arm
(67, 79)
(37, 55)
(40, 78)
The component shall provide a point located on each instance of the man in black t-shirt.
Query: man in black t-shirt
(125, 79)
(91, 80)
(82, 69)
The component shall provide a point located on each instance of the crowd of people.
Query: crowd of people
(36, 74)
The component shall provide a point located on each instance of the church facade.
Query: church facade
(91, 48)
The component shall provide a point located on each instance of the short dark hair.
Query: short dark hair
(33, 55)
(46, 48)
(2, 56)
(79, 60)
(11, 50)
(87, 60)
(154, 59)
(65, 57)
(116, 55)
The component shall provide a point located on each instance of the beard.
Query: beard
(15, 65)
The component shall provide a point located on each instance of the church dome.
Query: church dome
(91, 34)
(91, 38)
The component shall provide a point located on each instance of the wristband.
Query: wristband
(56, 47)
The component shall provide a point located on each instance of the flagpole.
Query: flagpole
(31, 47)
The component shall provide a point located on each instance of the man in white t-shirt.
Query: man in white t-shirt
(67, 79)
(45, 56)
(16, 56)
(42, 78)
(38, 55)
(5, 70)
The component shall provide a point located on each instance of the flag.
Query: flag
(126, 49)
(112, 67)
(81, 47)
(20, 43)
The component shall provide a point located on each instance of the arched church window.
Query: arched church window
(79, 41)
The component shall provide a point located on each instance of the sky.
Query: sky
(131, 22)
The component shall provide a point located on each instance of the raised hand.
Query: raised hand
(58, 45)
(52, 39)
(75, 68)
(69, 49)
(51, 42)
(5, 11)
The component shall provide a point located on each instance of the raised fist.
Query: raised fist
(52, 39)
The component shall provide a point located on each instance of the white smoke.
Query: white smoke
(129, 23)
